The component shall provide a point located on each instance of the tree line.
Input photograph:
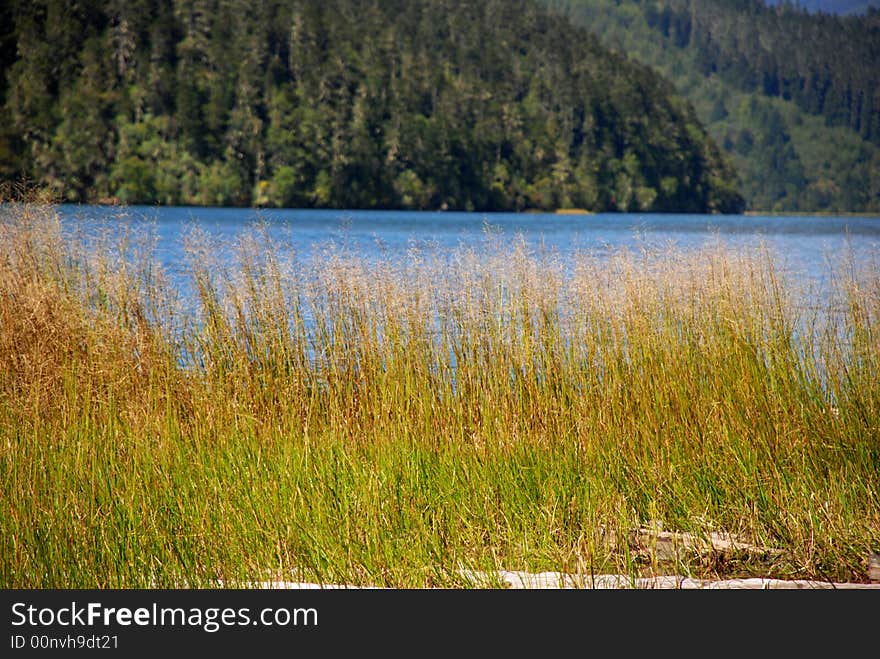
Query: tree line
(479, 105)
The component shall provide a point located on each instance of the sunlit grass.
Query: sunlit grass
(338, 420)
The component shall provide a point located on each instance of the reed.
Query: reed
(339, 420)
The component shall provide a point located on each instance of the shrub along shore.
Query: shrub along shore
(401, 424)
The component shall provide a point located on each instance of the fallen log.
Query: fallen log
(559, 580)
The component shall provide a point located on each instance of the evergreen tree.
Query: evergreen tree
(489, 105)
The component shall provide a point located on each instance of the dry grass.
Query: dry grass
(398, 423)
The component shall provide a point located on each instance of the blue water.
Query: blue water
(805, 246)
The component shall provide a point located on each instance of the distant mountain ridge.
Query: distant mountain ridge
(840, 7)
(792, 97)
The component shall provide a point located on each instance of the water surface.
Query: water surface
(805, 246)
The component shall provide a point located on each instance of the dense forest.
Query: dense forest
(792, 97)
(488, 105)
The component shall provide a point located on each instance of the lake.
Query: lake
(803, 245)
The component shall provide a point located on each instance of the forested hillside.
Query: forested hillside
(792, 97)
(486, 105)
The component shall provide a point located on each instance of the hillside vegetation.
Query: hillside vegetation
(463, 105)
(792, 97)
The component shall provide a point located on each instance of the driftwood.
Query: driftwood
(874, 568)
(671, 545)
(660, 545)
(556, 580)
(559, 580)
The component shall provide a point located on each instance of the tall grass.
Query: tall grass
(339, 420)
